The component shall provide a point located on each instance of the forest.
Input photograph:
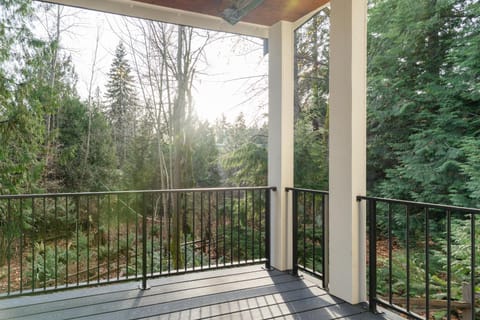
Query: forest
(140, 131)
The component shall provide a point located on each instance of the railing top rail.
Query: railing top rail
(305, 190)
(422, 204)
(71, 194)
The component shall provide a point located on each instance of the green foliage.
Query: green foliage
(422, 56)
(205, 157)
(423, 126)
(244, 153)
(121, 103)
(311, 102)
(21, 114)
(99, 169)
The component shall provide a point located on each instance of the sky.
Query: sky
(234, 68)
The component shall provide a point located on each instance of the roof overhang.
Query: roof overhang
(207, 14)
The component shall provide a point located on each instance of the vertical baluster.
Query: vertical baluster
(372, 214)
(99, 236)
(314, 214)
(295, 233)
(472, 263)
(324, 241)
(135, 212)
(246, 224)
(390, 254)
(231, 227)
(118, 236)
(449, 263)
(33, 244)
(267, 229)
(169, 220)
(77, 229)
(144, 243)
(44, 238)
(152, 232)
(55, 212)
(238, 226)
(216, 228)
(162, 221)
(427, 262)
(185, 212)
(201, 230)
(109, 215)
(9, 244)
(253, 225)
(224, 212)
(304, 261)
(22, 239)
(178, 229)
(407, 240)
(88, 238)
(261, 217)
(194, 238)
(127, 232)
(67, 239)
(209, 228)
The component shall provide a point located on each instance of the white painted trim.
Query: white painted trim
(169, 15)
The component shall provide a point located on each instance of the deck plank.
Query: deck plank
(160, 291)
(235, 293)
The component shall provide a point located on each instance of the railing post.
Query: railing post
(295, 233)
(372, 261)
(325, 245)
(267, 228)
(472, 263)
(144, 285)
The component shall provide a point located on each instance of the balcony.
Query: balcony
(205, 253)
(162, 239)
(186, 254)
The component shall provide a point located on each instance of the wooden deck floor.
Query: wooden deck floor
(237, 293)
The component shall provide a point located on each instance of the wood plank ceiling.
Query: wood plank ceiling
(267, 14)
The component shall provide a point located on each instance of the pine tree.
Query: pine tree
(419, 112)
(311, 102)
(121, 103)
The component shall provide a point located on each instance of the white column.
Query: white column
(347, 173)
(280, 139)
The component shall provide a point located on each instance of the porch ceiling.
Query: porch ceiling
(267, 14)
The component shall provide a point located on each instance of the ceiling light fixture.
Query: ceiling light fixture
(239, 9)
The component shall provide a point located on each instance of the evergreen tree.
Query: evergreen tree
(311, 102)
(420, 114)
(21, 113)
(121, 103)
(100, 173)
(244, 154)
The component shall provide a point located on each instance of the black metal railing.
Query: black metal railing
(309, 232)
(58, 241)
(422, 258)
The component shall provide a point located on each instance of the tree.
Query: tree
(311, 102)
(99, 173)
(417, 117)
(121, 103)
(244, 155)
(21, 114)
